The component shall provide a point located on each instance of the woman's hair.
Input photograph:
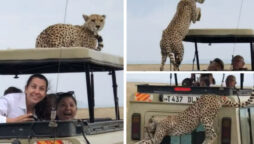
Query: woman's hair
(187, 82)
(220, 62)
(40, 76)
(44, 107)
(12, 89)
(62, 95)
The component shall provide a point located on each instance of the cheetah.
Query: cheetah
(203, 111)
(67, 35)
(171, 43)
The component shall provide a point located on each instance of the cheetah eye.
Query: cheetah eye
(93, 20)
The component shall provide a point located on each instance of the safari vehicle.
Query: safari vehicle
(221, 36)
(232, 125)
(63, 60)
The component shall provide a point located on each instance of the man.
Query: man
(230, 81)
(238, 63)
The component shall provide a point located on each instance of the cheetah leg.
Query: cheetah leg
(178, 56)
(172, 60)
(163, 60)
(161, 131)
(198, 14)
(210, 134)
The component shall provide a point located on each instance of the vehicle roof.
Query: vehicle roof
(220, 35)
(48, 60)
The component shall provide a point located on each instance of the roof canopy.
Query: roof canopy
(56, 60)
(220, 36)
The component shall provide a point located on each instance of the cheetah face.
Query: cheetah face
(94, 22)
(200, 1)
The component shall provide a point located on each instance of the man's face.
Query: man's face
(238, 64)
(231, 83)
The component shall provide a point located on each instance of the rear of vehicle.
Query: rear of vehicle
(160, 101)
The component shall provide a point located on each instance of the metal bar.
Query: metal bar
(89, 94)
(176, 81)
(196, 53)
(252, 56)
(115, 94)
(249, 120)
(241, 79)
(92, 88)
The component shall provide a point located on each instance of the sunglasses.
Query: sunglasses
(59, 94)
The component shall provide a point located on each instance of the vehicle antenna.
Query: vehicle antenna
(60, 52)
(222, 81)
(237, 25)
(65, 11)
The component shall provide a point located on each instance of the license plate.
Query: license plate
(179, 99)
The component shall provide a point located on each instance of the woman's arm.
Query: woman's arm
(22, 118)
(4, 115)
(3, 109)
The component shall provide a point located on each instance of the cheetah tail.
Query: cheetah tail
(242, 104)
(100, 42)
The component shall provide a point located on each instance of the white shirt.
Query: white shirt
(12, 105)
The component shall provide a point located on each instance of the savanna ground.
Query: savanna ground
(183, 67)
(108, 112)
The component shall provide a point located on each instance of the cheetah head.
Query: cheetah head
(200, 1)
(94, 22)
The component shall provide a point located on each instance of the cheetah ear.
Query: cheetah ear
(104, 16)
(86, 17)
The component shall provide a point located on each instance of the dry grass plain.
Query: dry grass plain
(183, 67)
(108, 112)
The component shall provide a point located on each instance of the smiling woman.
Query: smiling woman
(66, 106)
(20, 107)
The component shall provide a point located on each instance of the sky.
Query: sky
(22, 21)
(165, 78)
(146, 19)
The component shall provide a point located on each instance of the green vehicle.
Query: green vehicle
(64, 60)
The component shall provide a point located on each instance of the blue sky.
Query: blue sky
(22, 21)
(146, 19)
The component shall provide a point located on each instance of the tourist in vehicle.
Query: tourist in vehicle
(188, 82)
(44, 107)
(238, 63)
(12, 89)
(20, 107)
(230, 81)
(66, 106)
(216, 65)
(205, 80)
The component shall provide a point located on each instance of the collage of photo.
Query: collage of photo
(127, 72)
